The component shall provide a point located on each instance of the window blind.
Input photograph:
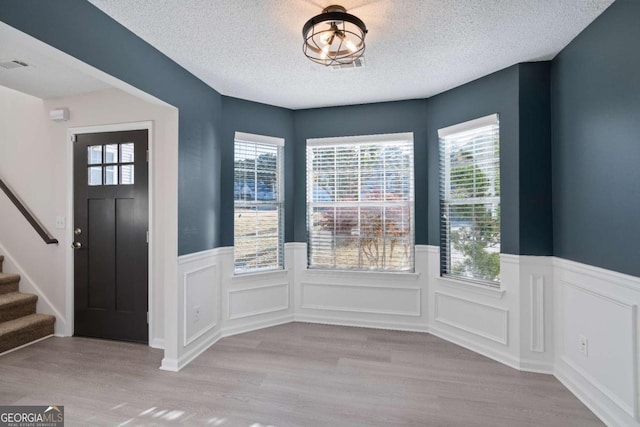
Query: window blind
(470, 200)
(258, 205)
(360, 204)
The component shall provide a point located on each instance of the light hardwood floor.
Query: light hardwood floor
(296, 374)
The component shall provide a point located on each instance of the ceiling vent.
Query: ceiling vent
(13, 63)
(357, 63)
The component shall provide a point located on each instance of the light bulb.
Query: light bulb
(351, 46)
(324, 38)
(325, 52)
(329, 35)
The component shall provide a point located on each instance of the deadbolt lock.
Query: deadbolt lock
(77, 231)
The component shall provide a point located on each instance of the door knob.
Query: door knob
(77, 231)
(76, 245)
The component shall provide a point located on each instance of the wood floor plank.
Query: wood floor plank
(296, 374)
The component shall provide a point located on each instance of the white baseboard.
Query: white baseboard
(26, 345)
(536, 366)
(253, 326)
(502, 357)
(338, 321)
(608, 413)
(174, 365)
(157, 343)
(170, 365)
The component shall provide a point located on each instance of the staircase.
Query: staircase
(19, 323)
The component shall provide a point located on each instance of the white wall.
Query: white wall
(28, 165)
(35, 161)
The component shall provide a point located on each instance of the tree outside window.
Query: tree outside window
(470, 203)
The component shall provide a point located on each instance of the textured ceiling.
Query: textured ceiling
(252, 49)
(45, 77)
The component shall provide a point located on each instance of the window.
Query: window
(113, 169)
(360, 202)
(258, 203)
(470, 200)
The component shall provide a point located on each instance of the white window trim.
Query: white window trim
(491, 119)
(259, 139)
(390, 138)
(460, 128)
(278, 142)
(379, 139)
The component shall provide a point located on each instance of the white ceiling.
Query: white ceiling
(46, 76)
(415, 48)
(252, 49)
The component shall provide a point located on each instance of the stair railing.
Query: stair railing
(48, 239)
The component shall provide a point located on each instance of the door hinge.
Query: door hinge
(147, 236)
(72, 138)
(147, 317)
(147, 156)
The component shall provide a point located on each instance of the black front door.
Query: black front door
(111, 205)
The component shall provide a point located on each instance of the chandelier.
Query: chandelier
(334, 37)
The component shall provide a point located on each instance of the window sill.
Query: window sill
(259, 275)
(376, 275)
(486, 290)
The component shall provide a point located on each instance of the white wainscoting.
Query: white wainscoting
(369, 299)
(532, 322)
(199, 292)
(228, 304)
(198, 286)
(481, 319)
(536, 313)
(256, 300)
(362, 298)
(600, 306)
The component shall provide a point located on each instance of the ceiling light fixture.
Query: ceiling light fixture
(334, 37)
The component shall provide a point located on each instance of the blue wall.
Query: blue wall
(520, 96)
(368, 119)
(587, 103)
(596, 143)
(496, 93)
(252, 117)
(535, 202)
(83, 31)
(525, 149)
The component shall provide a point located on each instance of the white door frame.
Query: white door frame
(71, 133)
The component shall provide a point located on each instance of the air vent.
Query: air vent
(358, 63)
(13, 63)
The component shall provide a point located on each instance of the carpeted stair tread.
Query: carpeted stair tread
(19, 323)
(26, 321)
(16, 304)
(17, 332)
(9, 283)
(8, 277)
